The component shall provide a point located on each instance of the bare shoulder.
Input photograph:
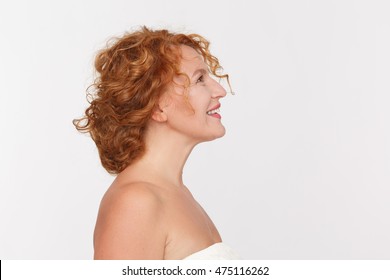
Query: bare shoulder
(132, 196)
(130, 223)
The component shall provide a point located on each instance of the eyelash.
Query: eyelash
(200, 79)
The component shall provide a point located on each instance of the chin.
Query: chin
(223, 131)
(217, 134)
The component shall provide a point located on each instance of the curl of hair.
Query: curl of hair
(133, 71)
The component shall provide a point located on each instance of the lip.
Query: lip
(215, 107)
(215, 115)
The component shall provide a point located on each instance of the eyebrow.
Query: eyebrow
(201, 70)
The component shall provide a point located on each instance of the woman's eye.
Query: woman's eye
(200, 79)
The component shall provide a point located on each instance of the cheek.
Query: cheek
(200, 103)
(191, 110)
(183, 116)
(179, 107)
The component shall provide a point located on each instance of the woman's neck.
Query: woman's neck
(165, 157)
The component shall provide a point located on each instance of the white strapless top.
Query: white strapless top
(217, 251)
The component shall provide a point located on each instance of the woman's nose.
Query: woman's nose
(218, 90)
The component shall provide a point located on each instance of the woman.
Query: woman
(155, 100)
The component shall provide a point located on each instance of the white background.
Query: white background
(303, 171)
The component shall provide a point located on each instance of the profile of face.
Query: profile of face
(194, 111)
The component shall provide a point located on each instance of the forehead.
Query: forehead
(191, 59)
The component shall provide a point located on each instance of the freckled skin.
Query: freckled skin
(148, 212)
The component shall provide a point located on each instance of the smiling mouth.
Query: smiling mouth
(211, 112)
(214, 113)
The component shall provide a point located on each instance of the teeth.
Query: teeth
(213, 111)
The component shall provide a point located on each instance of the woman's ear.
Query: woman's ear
(160, 111)
(159, 115)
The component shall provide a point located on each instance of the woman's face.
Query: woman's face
(202, 122)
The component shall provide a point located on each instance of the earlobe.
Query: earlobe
(159, 115)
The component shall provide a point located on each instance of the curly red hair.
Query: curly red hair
(132, 74)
